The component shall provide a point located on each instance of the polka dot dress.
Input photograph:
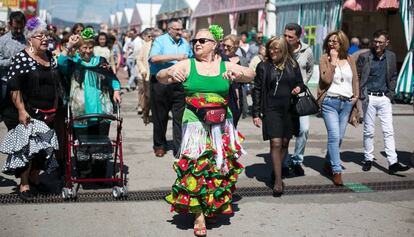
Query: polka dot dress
(22, 63)
(22, 143)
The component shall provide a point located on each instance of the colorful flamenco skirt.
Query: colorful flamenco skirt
(207, 169)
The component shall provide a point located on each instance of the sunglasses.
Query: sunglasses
(201, 40)
(228, 46)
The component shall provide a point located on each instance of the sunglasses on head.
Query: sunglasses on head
(201, 40)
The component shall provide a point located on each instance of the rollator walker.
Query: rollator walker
(91, 144)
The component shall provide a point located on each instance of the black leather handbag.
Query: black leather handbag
(305, 104)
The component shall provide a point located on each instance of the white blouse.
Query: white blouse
(342, 82)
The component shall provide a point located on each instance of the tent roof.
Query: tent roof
(172, 6)
(148, 12)
(177, 9)
(214, 7)
(135, 18)
(128, 14)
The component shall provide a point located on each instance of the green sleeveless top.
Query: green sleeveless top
(198, 85)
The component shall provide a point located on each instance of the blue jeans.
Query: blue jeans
(335, 113)
(300, 144)
(131, 66)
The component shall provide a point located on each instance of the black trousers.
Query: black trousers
(163, 99)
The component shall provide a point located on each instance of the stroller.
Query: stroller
(89, 146)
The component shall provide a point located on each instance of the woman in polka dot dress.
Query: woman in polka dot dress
(33, 82)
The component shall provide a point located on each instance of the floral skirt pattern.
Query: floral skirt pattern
(207, 169)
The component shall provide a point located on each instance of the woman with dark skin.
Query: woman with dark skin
(278, 78)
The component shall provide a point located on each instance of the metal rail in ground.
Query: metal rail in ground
(134, 196)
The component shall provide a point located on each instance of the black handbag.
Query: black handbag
(305, 104)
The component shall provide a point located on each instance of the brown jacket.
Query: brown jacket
(326, 73)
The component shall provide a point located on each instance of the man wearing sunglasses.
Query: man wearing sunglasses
(166, 51)
(254, 46)
(10, 44)
(302, 53)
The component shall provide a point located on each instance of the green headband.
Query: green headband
(217, 32)
(87, 34)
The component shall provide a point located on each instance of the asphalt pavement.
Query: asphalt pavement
(367, 213)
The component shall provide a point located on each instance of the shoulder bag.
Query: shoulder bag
(305, 104)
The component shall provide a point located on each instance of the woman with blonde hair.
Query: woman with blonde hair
(278, 78)
(207, 167)
(338, 91)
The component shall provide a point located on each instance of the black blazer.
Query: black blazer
(264, 73)
(364, 68)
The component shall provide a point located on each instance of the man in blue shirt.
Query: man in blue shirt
(166, 51)
(377, 71)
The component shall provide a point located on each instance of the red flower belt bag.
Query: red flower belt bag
(209, 114)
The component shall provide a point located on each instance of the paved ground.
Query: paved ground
(346, 214)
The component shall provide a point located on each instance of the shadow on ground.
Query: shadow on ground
(261, 172)
(186, 221)
(5, 182)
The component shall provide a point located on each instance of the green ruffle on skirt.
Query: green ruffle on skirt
(201, 187)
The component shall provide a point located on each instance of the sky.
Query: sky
(90, 11)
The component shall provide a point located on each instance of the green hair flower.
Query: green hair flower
(87, 34)
(217, 32)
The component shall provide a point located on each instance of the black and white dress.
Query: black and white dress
(39, 87)
(38, 84)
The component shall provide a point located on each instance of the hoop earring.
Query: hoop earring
(31, 49)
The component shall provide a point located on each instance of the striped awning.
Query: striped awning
(371, 5)
(405, 83)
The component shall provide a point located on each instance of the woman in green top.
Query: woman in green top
(207, 167)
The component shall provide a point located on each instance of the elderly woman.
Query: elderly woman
(33, 81)
(278, 78)
(93, 87)
(338, 91)
(236, 98)
(207, 167)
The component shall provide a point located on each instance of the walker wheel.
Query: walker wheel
(69, 193)
(118, 192)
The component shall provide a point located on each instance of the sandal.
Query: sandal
(199, 232)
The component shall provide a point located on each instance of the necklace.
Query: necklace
(340, 71)
(277, 80)
(40, 60)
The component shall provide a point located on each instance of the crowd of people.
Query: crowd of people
(204, 80)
